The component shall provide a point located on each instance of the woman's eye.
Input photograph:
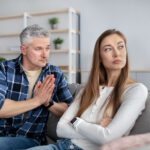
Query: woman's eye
(107, 49)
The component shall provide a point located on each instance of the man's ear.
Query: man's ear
(23, 49)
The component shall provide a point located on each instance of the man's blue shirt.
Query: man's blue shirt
(14, 85)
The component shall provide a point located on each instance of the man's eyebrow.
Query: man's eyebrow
(39, 47)
(120, 42)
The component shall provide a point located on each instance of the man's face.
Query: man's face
(35, 55)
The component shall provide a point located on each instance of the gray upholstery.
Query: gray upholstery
(51, 128)
(142, 124)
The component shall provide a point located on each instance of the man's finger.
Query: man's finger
(38, 85)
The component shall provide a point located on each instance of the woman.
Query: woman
(109, 104)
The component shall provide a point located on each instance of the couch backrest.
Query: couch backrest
(142, 124)
(74, 88)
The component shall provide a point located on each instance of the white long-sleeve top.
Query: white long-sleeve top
(88, 134)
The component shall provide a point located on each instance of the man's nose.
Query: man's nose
(44, 53)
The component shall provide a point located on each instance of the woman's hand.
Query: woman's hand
(105, 121)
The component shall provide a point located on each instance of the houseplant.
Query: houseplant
(2, 59)
(57, 42)
(53, 22)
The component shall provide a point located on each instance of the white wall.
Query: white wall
(129, 16)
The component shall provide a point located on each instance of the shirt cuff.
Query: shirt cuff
(77, 123)
(1, 101)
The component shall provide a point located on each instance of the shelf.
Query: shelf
(9, 53)
(9, 34)
(58, 51)
(49, 12)
(51, 52)
(59, 31)
(75, 51)
(130, 71)
(66, 68)
(75, 31)
(66, 71)
(60, 11)
(11, 17)
(66, 10)
(64, 51)
(51, 31)
(64, 31)
(140, 71)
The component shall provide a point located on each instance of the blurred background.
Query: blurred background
(94, 16)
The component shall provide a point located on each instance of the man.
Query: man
(29, 89)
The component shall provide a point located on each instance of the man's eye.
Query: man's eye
(121, 46)
(37, 49)
(48, 49)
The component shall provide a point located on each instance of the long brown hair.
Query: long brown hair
(98, 76)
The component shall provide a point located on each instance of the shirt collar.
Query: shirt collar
(20, 68)
(18, 64)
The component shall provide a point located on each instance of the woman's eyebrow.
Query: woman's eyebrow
(106, 45)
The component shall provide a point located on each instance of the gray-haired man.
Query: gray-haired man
(29, 89)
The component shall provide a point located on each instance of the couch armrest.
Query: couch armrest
(142, 124)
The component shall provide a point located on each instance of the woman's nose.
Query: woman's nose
(116, 52)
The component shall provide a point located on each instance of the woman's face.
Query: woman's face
(113, 52)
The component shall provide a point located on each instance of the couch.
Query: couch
(142, 124)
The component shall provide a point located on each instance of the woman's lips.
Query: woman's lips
(116, 61)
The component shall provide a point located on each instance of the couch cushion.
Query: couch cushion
(142, 124)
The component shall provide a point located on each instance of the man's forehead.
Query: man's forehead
(40, 41)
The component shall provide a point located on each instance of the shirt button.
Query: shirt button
(71, 147)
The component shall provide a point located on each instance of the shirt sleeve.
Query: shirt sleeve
(63, 93)
(64, 128)
(3, 85)
(132, 105)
